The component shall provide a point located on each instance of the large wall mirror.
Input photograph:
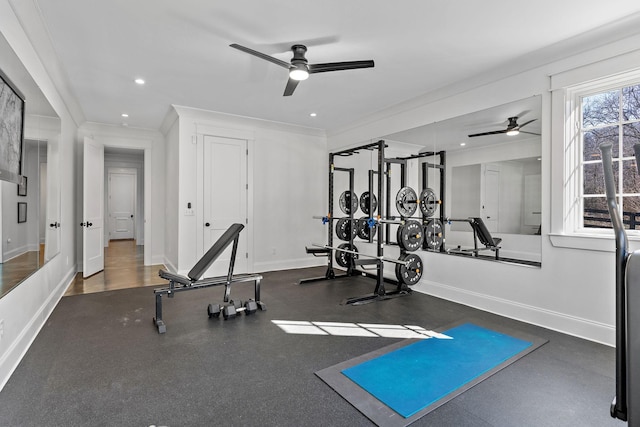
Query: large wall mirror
(494, 176)
(30, 231)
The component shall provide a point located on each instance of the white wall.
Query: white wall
(574, 290)
(24, 310)
(287, 186)
(172, 190)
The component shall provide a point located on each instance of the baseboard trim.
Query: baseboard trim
(14, 354)
(560, 322)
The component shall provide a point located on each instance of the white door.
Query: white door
(93, 208)
(122, 202)
(225, 199)
(491, 202)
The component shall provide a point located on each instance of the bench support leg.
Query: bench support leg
(162, 328)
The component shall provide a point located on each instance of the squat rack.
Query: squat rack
(328, 250)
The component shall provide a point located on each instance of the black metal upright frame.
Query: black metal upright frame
(425, 166)
(379, 291)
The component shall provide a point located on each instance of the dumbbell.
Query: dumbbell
(214, 310)
(232, 309)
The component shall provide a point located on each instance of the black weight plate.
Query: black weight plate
(348, 202)
(410, 236)
(406, 201)
(434, 236)
(428, 202)
(343, 259)
(344, 229)
(411, 272)
(363, 228)
(364, 202)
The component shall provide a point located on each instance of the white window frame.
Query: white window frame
(571, 232)
(576, 94)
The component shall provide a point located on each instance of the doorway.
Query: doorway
(124, 256)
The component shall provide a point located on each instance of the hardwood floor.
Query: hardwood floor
(123, 268)
(17, 269)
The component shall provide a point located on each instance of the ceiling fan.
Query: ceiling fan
(299, 68)
(513, 128)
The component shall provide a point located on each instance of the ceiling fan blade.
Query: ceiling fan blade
(530, 133)
(526, 123)
(338, 66)
(261, 55)
(495, 132)
(291, 86)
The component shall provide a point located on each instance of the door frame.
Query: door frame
(137, 144)
(202, 130)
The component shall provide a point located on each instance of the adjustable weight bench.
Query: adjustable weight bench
(480, 232)
(194, 280)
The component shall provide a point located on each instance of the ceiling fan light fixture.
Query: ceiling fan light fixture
(513, 132)
(299, 73)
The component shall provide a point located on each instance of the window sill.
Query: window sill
(590, 242)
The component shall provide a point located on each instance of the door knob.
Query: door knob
(206, 224)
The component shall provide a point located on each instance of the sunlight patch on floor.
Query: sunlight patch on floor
(343, 329)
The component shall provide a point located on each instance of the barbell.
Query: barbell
(355, 252)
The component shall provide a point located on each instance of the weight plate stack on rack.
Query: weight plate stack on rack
(344, 229)
(343, 259)
(364, 231)
(406, 201)
(364, 202)
(410, 272)
(434, 237)
(348, 202)
(428, 202)
(410, 235)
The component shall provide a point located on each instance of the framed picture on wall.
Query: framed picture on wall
(22, 188)
(22, 212)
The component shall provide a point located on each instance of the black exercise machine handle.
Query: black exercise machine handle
(610, 191)
(619, 407)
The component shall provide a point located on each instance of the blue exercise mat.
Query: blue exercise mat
(415, 376)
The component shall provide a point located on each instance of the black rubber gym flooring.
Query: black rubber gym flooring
(99, 361)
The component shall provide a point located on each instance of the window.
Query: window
(606, 113)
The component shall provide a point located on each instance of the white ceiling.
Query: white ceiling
(181, 48)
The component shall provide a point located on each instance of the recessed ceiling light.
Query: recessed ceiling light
(139, 81)
(462, 144)
(124, 115)
(313, 114)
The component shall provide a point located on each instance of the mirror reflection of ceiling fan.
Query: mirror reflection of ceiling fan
(513, 128)
(299, 68)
